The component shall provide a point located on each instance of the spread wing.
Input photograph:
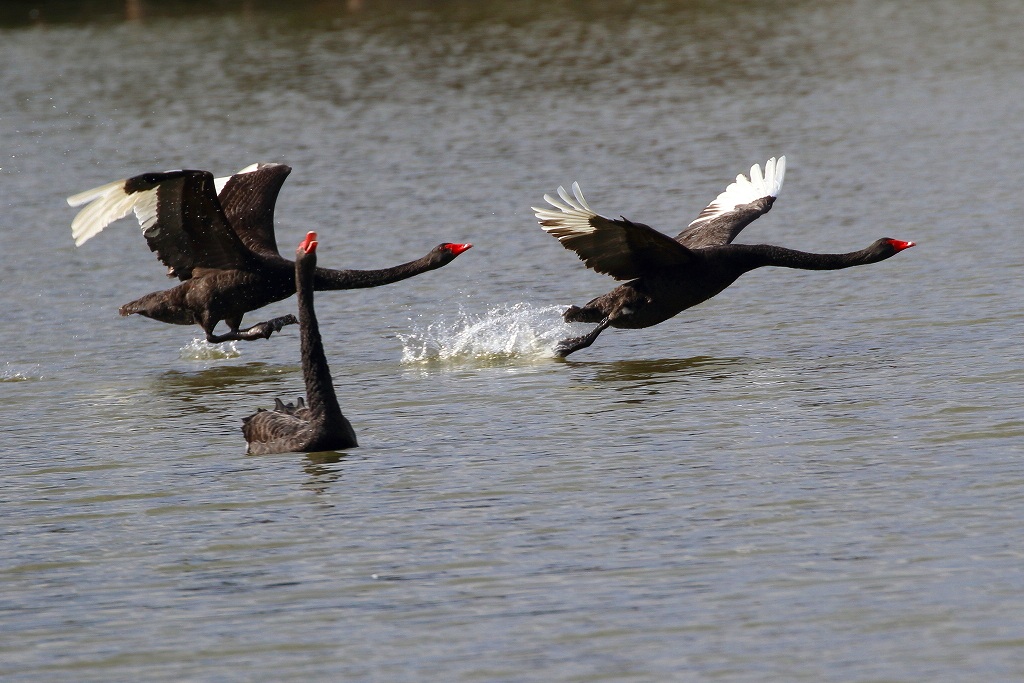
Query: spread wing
(738, 206)
(179, 213)
(248, 198)
(620, 248)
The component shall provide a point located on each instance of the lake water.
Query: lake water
(812, 477)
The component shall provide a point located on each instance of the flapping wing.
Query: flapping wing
(620, 248)
(248, 198)
(179, 213)
(738, 206)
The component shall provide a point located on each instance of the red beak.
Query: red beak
(457, 248)
(309, 244)
(900, 245)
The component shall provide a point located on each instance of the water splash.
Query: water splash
(11, 374)
(503, 332)
(200, 349)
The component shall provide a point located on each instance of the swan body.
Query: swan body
(318, 425)
(664, 275)
(216, 235)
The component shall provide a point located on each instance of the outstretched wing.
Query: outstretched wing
(620, 248)
(742, 202)
(248, 198)
(181, 219)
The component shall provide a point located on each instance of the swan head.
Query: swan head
(885, 247)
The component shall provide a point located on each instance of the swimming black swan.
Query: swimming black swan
(217, 236)
(318, 426)
(668, 275)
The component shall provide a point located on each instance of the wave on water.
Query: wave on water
(503, 332)
(11, 374)
(200, 349)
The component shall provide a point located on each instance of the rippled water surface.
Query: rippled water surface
(812, 477)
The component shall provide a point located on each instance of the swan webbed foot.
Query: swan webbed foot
(258, 331)
(274, 325)
(566, 346)
(573, 344)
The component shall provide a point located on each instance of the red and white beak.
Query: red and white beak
(308, 245)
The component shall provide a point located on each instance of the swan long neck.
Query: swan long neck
(323, 402)
(760, 255)
(326, 278)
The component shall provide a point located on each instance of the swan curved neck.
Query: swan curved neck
(322, 401)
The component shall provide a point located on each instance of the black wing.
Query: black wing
(738, 206)
(180, 216)
(620, 248)
(248, 198)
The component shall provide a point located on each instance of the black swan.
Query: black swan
(318, 426)
(668, 275)
(217, 236)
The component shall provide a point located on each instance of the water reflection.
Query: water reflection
(212, 379)
(223, 394)
(319, 459)
(55, 12)
(13, 15)
(654, 371)
(321, 472)
(323, 468)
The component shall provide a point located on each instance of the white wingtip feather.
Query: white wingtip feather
(557, 204)
(756, 179)
(780, 173)
(572, 216)
(745, 191)
(219, 183)
(579, 197)
(108, 203)
(89, 195)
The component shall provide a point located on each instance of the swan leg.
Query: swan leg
(576, 314)
(258, 331)
(572, 344)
